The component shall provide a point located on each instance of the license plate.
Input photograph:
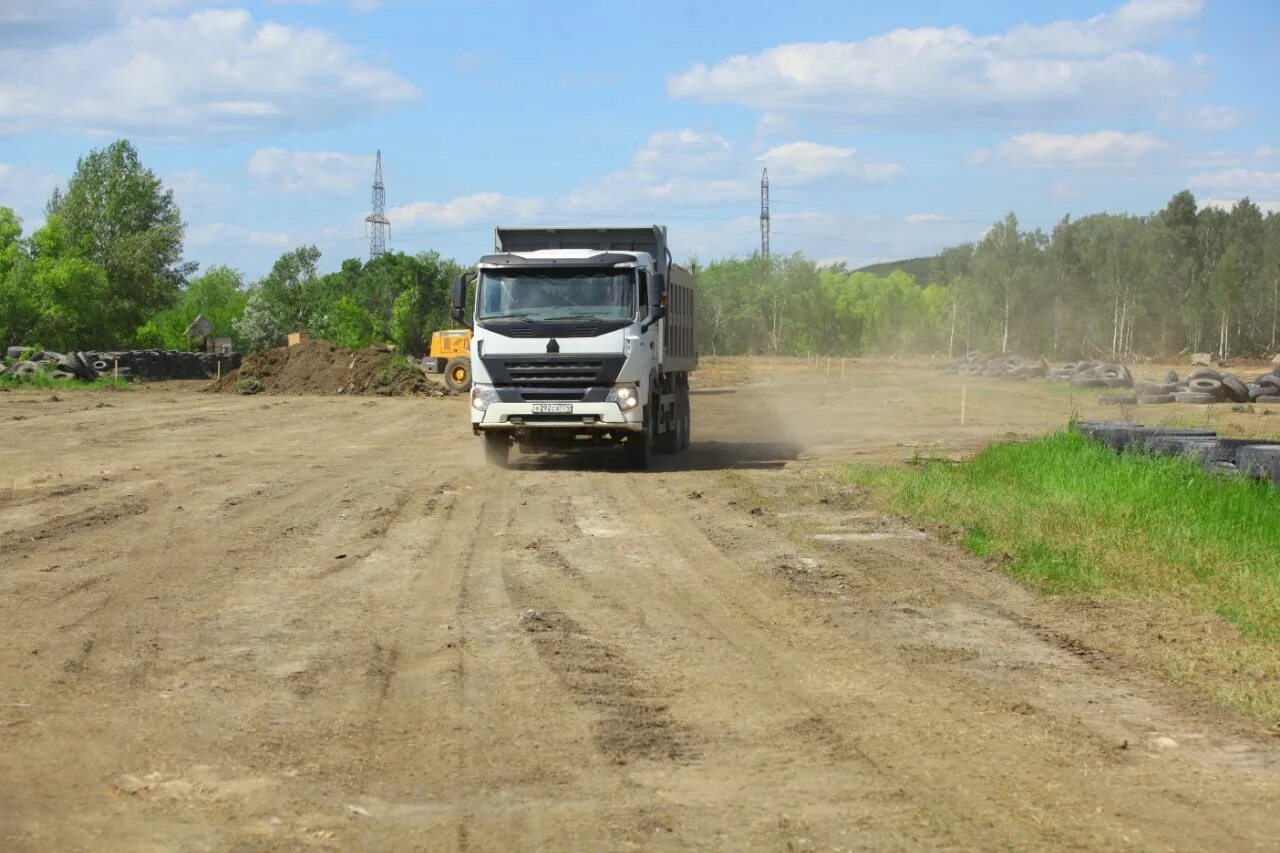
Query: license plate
(553, 408)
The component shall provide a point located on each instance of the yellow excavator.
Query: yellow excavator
(450, 355)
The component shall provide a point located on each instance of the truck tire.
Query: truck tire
(668, 442)
(640, 445)
(497, 449)
(457, 374)
(685, 420)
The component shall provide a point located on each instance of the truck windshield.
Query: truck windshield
(546, 294)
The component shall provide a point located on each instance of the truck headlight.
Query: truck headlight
(626, 396)
(481, 397)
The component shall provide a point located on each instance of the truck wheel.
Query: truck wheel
(496, 449)
(669, 442)
(640, 445)
(685, 419)
(457, 374)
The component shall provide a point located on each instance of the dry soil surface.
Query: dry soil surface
(237, 622)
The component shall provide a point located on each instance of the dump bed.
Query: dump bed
(632, 238)
(679, 344)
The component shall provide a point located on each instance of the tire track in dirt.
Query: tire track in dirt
(996, 720)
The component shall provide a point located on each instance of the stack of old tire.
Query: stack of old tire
(1206, 385)
(1097, 374)
(1249, 457)
(145, 364)
(1011, 367)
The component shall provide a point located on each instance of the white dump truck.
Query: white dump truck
(581, 337)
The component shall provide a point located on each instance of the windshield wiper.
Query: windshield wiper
(595, 317)
(525, 317)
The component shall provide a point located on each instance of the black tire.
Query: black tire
(686, 419)
(1270, 399)
(497, 449)
(1259, 461)
(640, 446)
(1154, 388)
(1193, 397)
(61, 375)
(1118, 400)
(1155, 399)
(26, 368)
(1237, 391)
(1206, 385)
(457, 374)
(1176, 445)
(1141, 438)
(1171, 378)
(1088, 382)
(1204, 373)
(668, 443)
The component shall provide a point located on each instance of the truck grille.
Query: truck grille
(541, 378)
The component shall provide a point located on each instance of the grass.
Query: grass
(395, 368)
(1190, 563)
(1075, 518)
(45, 381)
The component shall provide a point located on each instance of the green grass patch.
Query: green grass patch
(45, 381)
(1067, 516)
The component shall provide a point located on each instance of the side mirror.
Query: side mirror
(659, 296)
(656, 313)
(458, 300)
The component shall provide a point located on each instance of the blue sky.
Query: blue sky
(889, 130)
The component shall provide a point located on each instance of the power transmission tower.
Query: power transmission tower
(764, 214)
(378, 222)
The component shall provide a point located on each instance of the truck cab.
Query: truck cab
(580, 337)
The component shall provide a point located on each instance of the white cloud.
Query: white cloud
(213, 73)
(356, 5)
(1064, 190)
(26, 189)
(772, 124)
(1102, 149)
(917, 218)
(1266, 205)
(1243, 181)
(683, 151)
(193, 190)
(1134, 23)
(487, 208)
(1064, 69)
(34, 23)
(977, 157)
(311, 171)
(1204, 119)
(222, 235)
(677, 168)
(806, 162)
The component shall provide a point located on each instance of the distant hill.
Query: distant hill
(921, 269)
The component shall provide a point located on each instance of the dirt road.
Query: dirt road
(264, 623)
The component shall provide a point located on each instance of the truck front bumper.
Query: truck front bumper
(584, 416)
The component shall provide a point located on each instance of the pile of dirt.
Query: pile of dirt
(319, 367)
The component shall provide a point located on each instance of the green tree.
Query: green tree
(118, 216)
(280, 302)
(219, 295)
